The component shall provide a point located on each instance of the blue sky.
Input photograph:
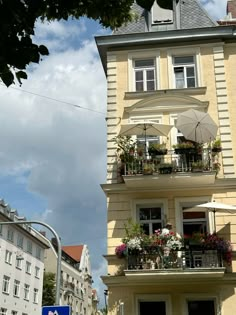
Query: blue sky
(53, 155)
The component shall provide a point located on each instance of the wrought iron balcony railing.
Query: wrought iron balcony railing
(157, 259)
(184, 161)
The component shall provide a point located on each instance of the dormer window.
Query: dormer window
(160, 15)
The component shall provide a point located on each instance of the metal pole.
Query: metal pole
(58, 276)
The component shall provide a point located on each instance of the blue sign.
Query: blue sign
(56, 310)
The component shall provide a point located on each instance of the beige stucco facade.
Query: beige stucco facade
(214, 93)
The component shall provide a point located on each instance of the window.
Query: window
(18, 263)
(37, 272)
(6, 284)
(201, 307)
(13, 312)
(29, 247)
(144, 74)
(28, 267)
(38, 252)
(8, 257)
(194, 222)
(150, 218)
(149, 307)
(26, 291)
(10, 235)
(16, 289)
(0, 229)
(184, 71)
(3, 311)
(20, 241)
(36, 294)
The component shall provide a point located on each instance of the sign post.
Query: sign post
(56, 310)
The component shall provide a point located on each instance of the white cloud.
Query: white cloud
(215, 8)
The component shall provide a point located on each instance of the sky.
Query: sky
(52, 153)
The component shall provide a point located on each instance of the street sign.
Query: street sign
(56, 310)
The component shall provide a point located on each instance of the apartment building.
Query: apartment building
(21, 266)
(76, 278)
(165, 63)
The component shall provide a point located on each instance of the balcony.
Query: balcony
(172, 169)
(180, 264)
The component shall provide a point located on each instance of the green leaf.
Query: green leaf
(146, 4)
(7, 78)
(43, 50)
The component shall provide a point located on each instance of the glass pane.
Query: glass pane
(183, 60)
(152, 307)
(156, 226)
(191, 82)
(138, 75)
(150, 74)
(145, 228)
(201, 307)
(150, 86)
(139, 86)
(155, 213)
(179, 84)
(198, 227)
(190, 71)
(194, 215)
(144, 63)
(144, 214)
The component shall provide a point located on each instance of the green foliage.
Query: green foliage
(216, 143)
(132, 230)
(49, 290)
(18, 18)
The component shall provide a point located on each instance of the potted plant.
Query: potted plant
(216, 146)
(165, 168)
(140, 149)
(148, 168)
(157, 149)
(197, 166)
(184, 147)
(125, 148)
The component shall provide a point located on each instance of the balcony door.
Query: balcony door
(152, 307)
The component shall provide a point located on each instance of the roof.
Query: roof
(189, 15)
(74, 251)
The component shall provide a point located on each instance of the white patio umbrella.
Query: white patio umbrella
(145, 128)
(214, 207)
(197, 126)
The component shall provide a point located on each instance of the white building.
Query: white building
(21, 266)
(76, 279)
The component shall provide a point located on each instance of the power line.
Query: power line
(56, 100)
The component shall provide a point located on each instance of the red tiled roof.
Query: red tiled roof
(74, 251)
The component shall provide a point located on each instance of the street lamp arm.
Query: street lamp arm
(58, 277)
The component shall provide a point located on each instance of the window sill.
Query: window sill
(186, 91)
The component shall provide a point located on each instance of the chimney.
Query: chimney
(231, 8)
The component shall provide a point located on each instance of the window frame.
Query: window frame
(26, 291)
(8, 257)
(200, 297)
(36, 296)
(3, 311)
(20, 241)
(16, 288)
(163, 203)
(28, 266)
(37, 272)
(143, 55)
(144, 70)
(18, 263)
(10, 235)
(6, 284)
(153, 298)
(185, 66)
(191, 202)
(181, 52)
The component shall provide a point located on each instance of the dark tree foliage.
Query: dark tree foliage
(18, 17)
(49, 290)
